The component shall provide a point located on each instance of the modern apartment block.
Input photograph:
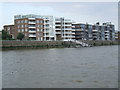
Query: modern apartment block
(105, 31)
(63, 29)
(41, 27)
(36, 27)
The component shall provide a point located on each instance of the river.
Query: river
(90, 67)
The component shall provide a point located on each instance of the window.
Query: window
(22, 30)
(25, 25)
(22, 26)
(41, 26)
(25, 21)
(18, 22)
(18, 30)
(41, 21)
(18, 26)
(38, 25)
(22, 21)
(41, 30)
(38, 30)
(8, 28)
(37, 21)
(26, 30)
(25, 34)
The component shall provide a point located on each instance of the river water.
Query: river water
(91, 67)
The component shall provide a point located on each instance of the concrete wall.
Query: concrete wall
(102, 43)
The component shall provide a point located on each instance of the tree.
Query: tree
(5, 35)
(20, 36)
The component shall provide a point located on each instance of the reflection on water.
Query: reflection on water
(94, 67)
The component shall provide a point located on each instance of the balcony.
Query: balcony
(94, 33)
(58, 32)
(95, 30)
(58, 28)
(58, 25)
(31, 22)
(67, 32)
(32, 35)
(46, 31)
(32, 27)
(32, 31)
(31, 18)
(106, 31)
(69, 36)
(46, 36)
(46, 23)
(67, 25)
(67, 28)
(58, 21)
(106, 34)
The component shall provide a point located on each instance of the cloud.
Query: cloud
(78, 11)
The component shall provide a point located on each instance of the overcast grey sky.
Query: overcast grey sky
(83, 12)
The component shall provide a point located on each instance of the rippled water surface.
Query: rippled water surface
(93, 67)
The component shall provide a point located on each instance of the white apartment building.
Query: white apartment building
(63, 29)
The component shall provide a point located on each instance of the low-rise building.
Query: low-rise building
(10, 29)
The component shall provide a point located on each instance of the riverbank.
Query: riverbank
(35, 44)
(102, 43)
(51, 44)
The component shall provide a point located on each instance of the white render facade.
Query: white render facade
(63, 29)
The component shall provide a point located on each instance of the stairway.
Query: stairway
(80, 43)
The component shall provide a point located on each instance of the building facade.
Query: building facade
(10, 29)
(63, 29)
(105, 31)
(36, 27)
(41, 27)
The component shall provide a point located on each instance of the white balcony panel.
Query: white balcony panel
(31, 22)
(32, 35)
(67, 25)
(106, 34)
(58, 28)
(58, 32)
(67, 28)
(57, 21)
(106, 31)
(57, 24)
(68, 32)
(31, 27)
(31, 18)
(32, 31)
(95, 30)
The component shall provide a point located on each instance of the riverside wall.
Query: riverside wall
(102, 43)
(13, 44)
(34, 44)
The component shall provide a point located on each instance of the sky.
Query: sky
(90, 12)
